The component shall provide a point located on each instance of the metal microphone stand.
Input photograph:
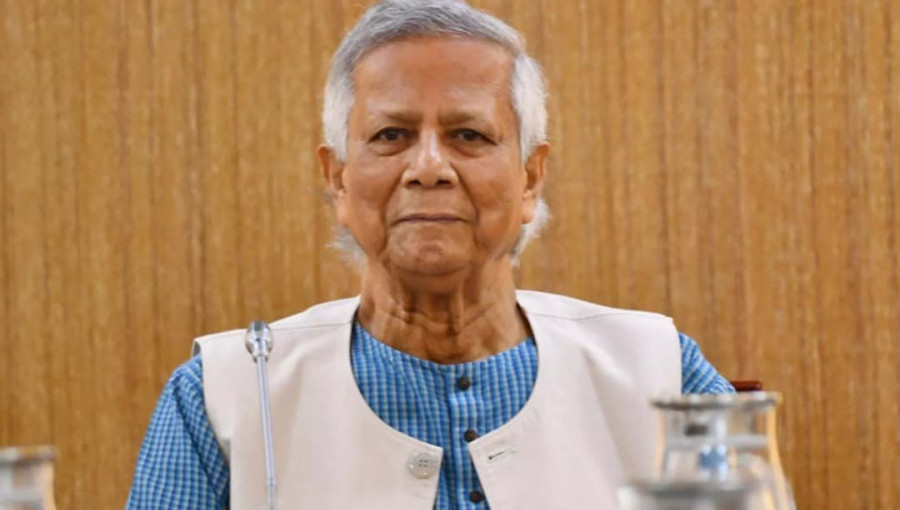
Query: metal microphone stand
(258, 341)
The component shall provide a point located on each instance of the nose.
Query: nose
(430, 167)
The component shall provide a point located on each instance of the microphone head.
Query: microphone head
(258, 339)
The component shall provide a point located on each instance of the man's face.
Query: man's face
(433, 183)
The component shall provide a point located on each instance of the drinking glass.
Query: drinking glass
(26, 478)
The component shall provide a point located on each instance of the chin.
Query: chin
(435, 265)
(432, 266)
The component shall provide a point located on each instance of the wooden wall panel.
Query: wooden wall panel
(732, 164)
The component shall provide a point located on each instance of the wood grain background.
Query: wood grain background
(731, 163)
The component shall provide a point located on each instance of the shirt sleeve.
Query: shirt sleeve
(180, 464)
(697, 374)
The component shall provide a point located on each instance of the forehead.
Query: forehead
(442, 72)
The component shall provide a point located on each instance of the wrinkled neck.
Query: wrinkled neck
(471, 320)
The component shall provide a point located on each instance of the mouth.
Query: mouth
(429, 218)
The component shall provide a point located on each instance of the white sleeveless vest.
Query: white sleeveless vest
(586, 428)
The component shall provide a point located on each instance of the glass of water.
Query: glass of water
(26, 478)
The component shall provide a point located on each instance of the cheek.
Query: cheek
(370, 186)
(368, 190)
(497, 197)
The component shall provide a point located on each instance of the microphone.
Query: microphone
(258, 341)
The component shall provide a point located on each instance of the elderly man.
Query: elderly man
(441, 385)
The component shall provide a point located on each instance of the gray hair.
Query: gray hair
(389, 20)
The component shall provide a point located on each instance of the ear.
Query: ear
(535, 168)
(333, 171)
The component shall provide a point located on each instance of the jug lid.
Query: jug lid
(697, 402)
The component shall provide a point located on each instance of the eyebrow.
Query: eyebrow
(411, 117)
(459, 117)
(401, 116)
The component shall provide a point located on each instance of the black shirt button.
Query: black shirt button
(463, 383)
(470, 435)
(476, 497)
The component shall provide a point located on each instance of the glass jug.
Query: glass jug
(724, 438)
(26, 478)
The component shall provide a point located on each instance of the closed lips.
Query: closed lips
(431, 217)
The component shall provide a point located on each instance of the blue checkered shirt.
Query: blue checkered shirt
(181, 465)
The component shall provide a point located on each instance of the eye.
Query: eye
(390, 134)
(470, 135)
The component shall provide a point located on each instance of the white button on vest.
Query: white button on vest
(423, 465)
